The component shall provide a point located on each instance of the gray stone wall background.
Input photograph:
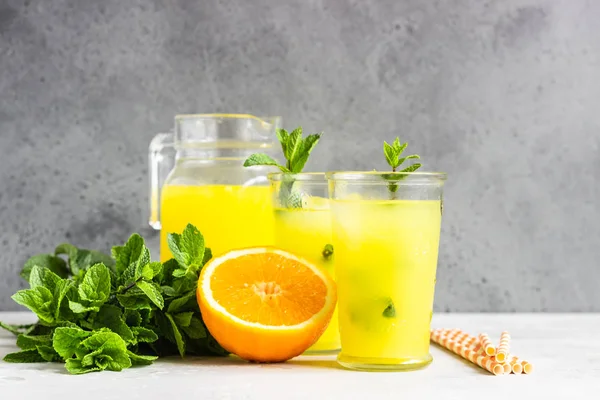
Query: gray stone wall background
(501, 94)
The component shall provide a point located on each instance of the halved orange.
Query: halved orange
(264, 304)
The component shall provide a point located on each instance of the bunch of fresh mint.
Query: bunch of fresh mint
(98, 312)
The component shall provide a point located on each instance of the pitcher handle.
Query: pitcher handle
(161, 159)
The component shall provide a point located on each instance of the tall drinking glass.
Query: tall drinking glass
(303, 227)
(386, 231)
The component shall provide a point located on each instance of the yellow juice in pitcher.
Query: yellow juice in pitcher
(306, 232)
(385, 258)
(228, 216)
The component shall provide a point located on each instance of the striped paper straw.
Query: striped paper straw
(515, 365)
(486, 344)
(503, 347)
(527, 367)
(483, 361)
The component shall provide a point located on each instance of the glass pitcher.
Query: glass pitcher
(197, 176)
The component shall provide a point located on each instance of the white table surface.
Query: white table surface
(564, 348)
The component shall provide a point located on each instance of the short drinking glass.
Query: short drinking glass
(303, 227)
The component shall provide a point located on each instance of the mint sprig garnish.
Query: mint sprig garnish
(296, 151)
(393, 157)
(97, 312)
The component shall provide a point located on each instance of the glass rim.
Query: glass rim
(267, 119)
(317, 177)
(366, 176)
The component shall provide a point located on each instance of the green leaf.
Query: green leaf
(390, 310)
(61, 290)
(138, 359)
(106, 350)
(16, 329)
(390, 155)
(144, 335)
(294, 145)
(412, 168)
(38, 300)
(79, 308)
(26, 356)
(49, 261)
(196, 329)
(165, 277)
(177, 335)
(306, 147)
(192, 243)
(66, 341)
(283, 137)
(95, 286)
(412, 156)
(133, 318)
(74, 367)
(111, 317)
(30, 342)
(134, 300)
(400, 149)
(149, 271)
(327, 251)
(131, 259)
(48, 353)
(153, 292)
(82, 259)
(183, 303)
(263, 159)
(169, 291)
(41, 276)
(183, 319)
(396, 143)
(207, 255)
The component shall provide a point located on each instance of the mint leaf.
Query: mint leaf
(75, 367)
(137, 359)
(66, 341)
(283, 137)
(411, 157)
(153, 293)
(48, 353)
(41, 276)
(207, 255)
(185, 302)
(188, 250)
(133, 318)
(177, 335)
(390, 155)
(82, 259)
(79, 308)
(149, 271)
(131, 258)
(95, 286)
(49, 261)
(111, 317)
(412, 168)
(25, 356)
(306, 147)
(390, 310)
(196, 329)
(39, 300)
(61, 290)
(165, 276)
(294, 144)
(106, 350)
(144, 335)
(30, 342)
(134, 300)
(263, 159)
(16, 329)
(183, 319)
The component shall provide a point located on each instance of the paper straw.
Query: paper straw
(515, 365)
(503, 347)
(483, 361)
(486, 344)
(527, 367)
(507, 368)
